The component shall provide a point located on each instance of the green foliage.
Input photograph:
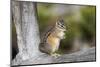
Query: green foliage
(43, 15)
(88, 25)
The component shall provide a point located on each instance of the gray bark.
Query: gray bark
(27, 30)
(80, 56)
(28, 39)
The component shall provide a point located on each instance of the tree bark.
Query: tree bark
(24, 15)
(28, 39)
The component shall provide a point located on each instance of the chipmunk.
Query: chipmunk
(51, 41)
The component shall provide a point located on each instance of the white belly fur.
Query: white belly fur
(61, 35)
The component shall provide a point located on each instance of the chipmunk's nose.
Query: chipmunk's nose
(64, 28)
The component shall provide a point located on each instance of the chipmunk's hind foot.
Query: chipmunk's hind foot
(56, 55)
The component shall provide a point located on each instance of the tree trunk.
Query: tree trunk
(28, 39)
(24, 15)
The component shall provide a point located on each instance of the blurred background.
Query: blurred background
(80, 21)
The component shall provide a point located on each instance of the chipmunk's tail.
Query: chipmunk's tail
(43, 49)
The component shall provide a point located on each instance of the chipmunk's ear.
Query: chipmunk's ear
(60, 22)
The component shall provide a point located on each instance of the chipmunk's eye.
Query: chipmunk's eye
(62, 26)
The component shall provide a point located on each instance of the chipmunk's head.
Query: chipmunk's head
(60, 25)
